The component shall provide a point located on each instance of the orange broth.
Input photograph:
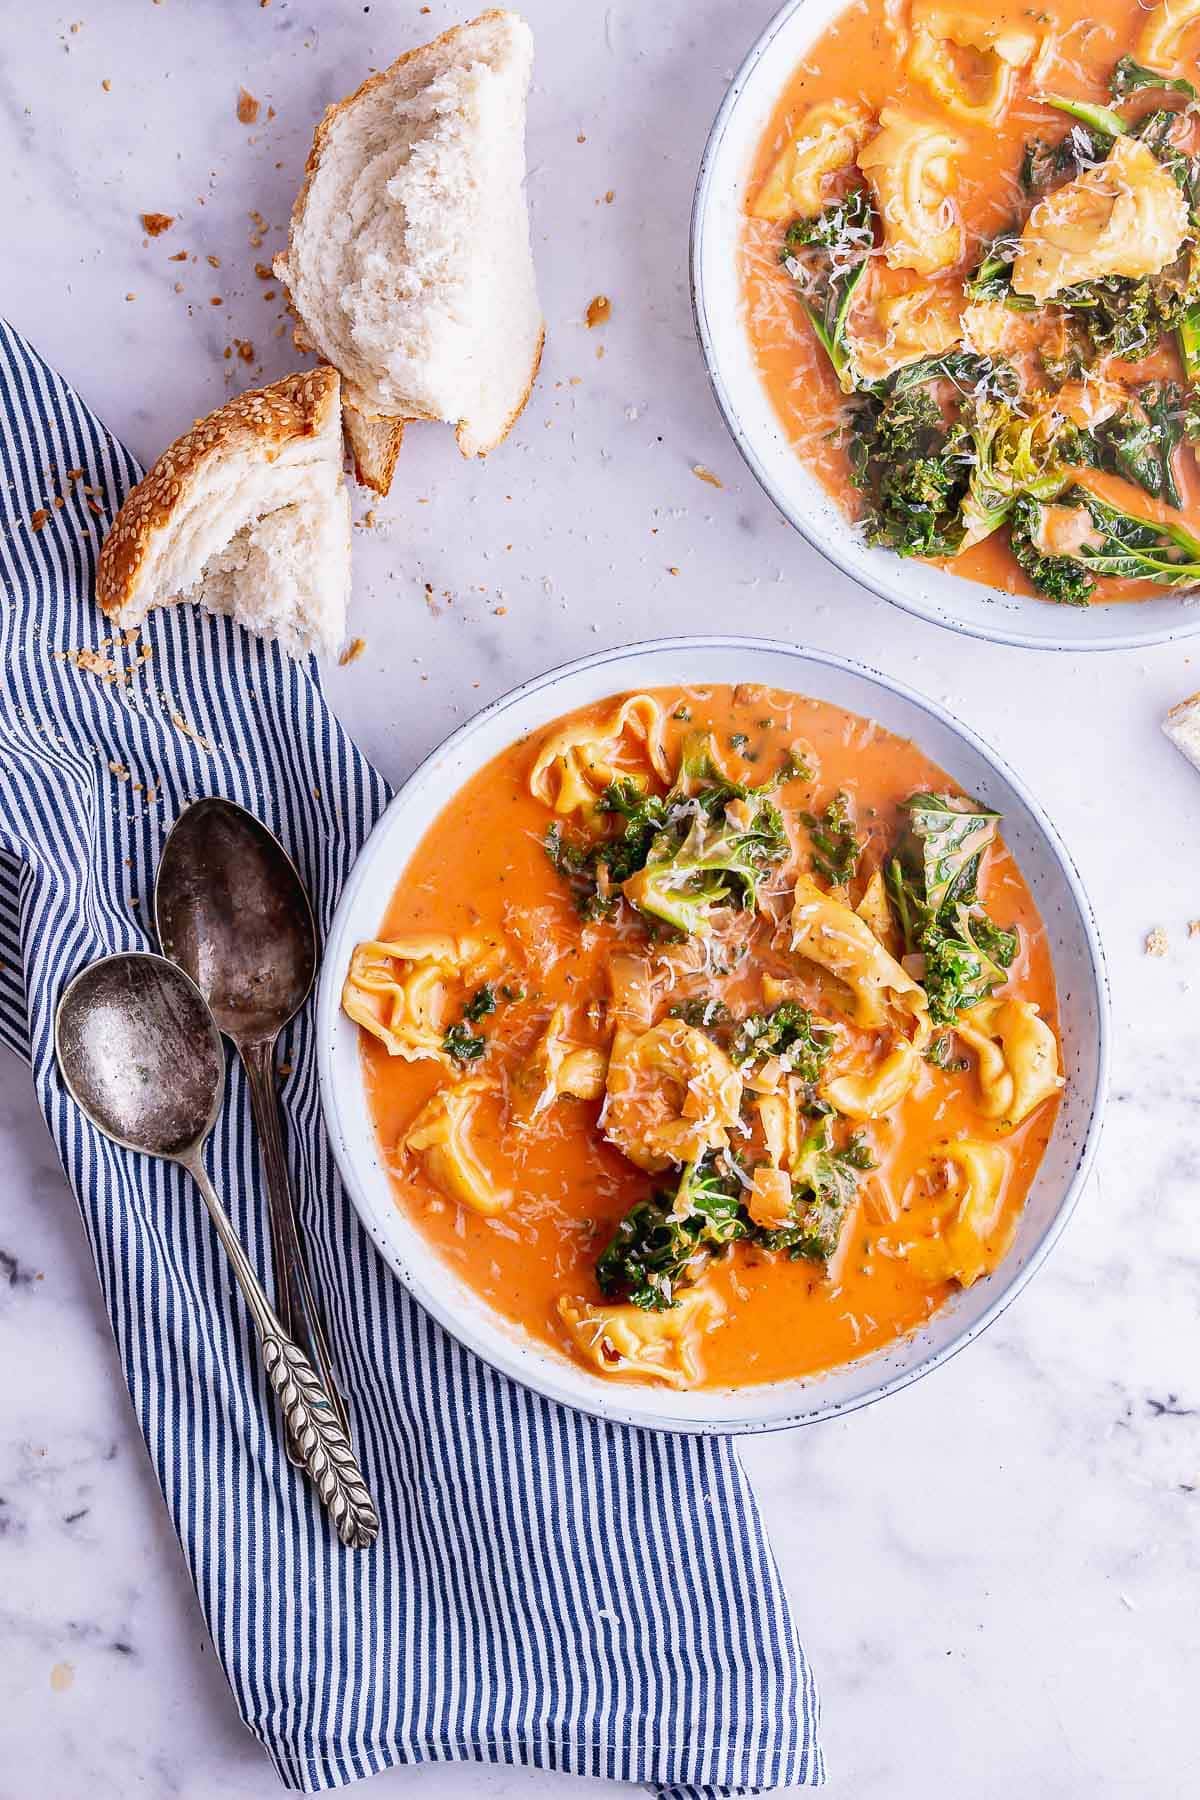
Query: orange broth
(858, 58)
(482, 868)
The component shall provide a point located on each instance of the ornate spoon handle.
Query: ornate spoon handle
(325, 1448)
(294, 1299)
(327, 1451)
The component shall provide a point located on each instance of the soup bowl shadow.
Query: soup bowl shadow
(1083, 1002)
(718, 309)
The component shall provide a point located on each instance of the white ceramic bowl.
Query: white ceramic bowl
(1078, 963)
(930, 593)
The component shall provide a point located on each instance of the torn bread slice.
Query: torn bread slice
(1182, 726)
(246, 513)
(408, 263)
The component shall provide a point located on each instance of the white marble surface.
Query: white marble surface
(996, 1570)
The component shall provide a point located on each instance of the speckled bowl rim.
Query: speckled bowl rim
(1165, 617)
(508, 1350)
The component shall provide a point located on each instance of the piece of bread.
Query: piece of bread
(246, 513)
(374, 445)
(408, 263)
(1182, 726)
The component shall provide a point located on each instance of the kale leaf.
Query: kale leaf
(1014, 453)
(827, 258)
(911, 450)
(933, 882)
(1140, 441)
(825, 1185)
(463, 1044)
(663, 1244)
(913, 469)
(1123, 546)
(836, 844)
(716, 844)
(951, 834)
(710, 842)
(789, 1031)
(991, 278)
(716, 862)
(699, 1011)
(1102, 121)
(595, 870)
(1059, 578)
(1129, 77)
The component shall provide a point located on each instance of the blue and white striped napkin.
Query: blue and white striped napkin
(546, 1589)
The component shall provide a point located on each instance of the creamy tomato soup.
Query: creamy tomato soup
(711, 1036)
(972, 286)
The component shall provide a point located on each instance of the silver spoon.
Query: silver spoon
(231, 910)
(139, 1052)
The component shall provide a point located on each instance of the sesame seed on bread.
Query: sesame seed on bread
(246, 513)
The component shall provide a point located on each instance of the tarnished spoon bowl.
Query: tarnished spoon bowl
(232, 911)
(140, 1054)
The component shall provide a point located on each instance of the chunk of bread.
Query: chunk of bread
(408, 263)
(374, 446)
(246, 513)
(1182, 726)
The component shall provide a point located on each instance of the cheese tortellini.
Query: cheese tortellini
(912, 164)
(969, 64)
(627, 1340)
(441, 1135)
(398, 990)
(875, 910)
(1017, 1058)
(827, 932)
(1160, 46)
(870, 1093)
(966, 1243)
(672, 1095)
(558, 1066)
(576, 764)
(1126, 216)
(826, 139)
(895, 329)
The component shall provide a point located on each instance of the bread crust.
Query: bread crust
(375, 438)
(377, 473)
(262, 419)
(374, 446)
(1182, 726)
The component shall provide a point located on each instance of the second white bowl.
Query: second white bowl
(930, 593)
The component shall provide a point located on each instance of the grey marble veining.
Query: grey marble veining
(996, 1570)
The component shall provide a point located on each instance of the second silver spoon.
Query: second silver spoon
(140, 1054)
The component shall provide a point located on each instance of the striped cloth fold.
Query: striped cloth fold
(547, 1589)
